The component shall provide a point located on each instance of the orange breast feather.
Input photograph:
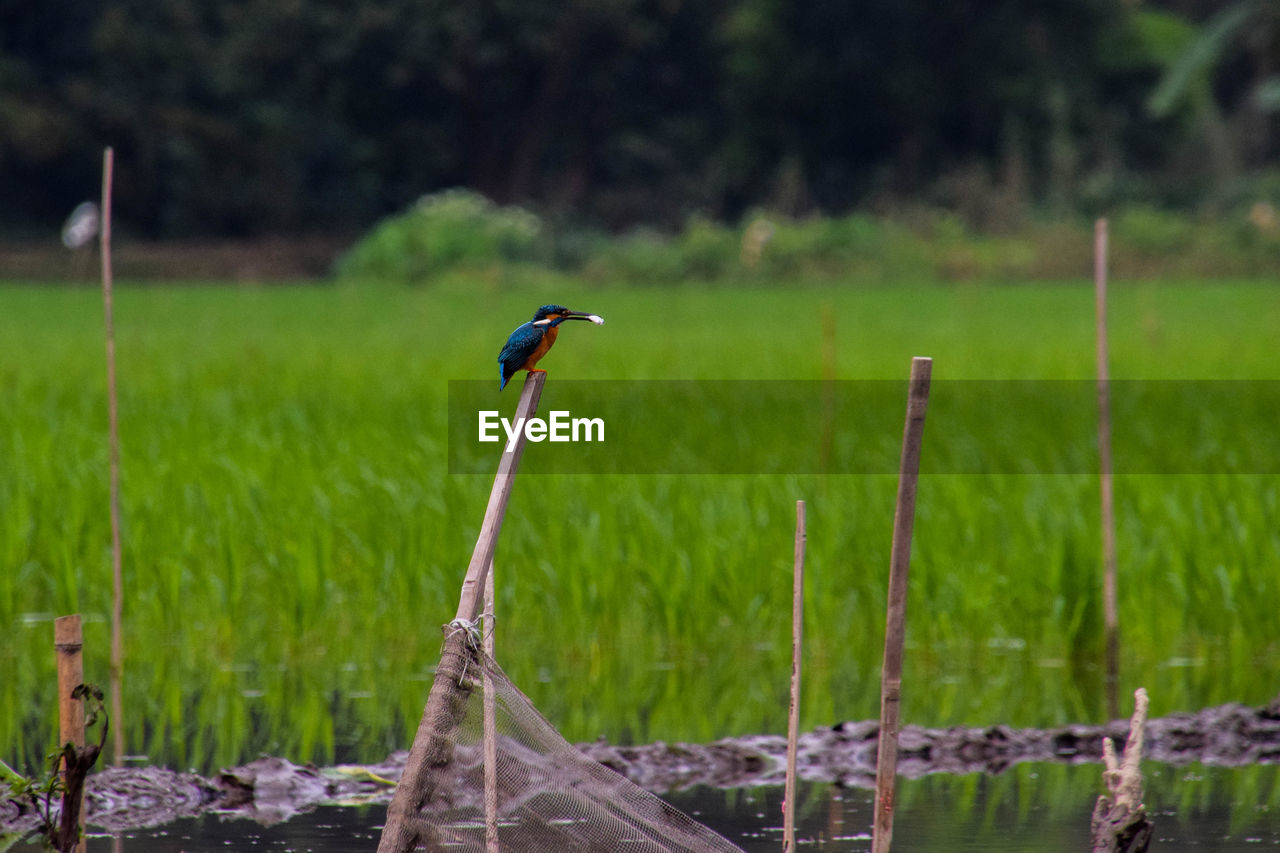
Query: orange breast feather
(543, 345)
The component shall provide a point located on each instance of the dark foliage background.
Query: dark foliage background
(235, 118)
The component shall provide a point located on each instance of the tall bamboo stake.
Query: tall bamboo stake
(896, 617)
(1111, 619)
(432, 746)
(793, 712)
(113, 454)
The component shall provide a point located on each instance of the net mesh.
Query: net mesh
(550, 797)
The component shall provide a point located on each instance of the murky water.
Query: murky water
(1031, 809)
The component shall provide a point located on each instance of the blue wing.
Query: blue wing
(520, 346)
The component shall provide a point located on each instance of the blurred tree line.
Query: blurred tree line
(245, 117)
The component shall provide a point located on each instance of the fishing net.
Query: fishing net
(550, 797)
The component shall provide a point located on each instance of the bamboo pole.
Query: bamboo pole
(490, 725)
(793, 712)
(1111, 619)
(432, 745)
(477, 571)
(113, 454)
(895, 619)
(68, 643)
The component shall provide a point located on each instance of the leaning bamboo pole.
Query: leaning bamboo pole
(490, 724)
(433, 745)
(1110, 616)
(896, 617)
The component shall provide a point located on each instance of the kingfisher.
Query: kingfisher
(530, 342)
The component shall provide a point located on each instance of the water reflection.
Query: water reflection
(1034, 808)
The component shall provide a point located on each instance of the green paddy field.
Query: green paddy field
(294, 539)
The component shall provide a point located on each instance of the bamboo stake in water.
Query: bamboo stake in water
(490, 726)
(432, 746)
(68, 643)
(793, 713)
(1111, 619)
(895, 619)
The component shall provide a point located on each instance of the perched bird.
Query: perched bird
(530, 342)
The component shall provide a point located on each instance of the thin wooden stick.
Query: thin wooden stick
(432, 746)
(490, 726)
(1111, 618)
(895, 619)
(113, 456)
(793, 712)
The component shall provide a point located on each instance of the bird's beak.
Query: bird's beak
(582, 315)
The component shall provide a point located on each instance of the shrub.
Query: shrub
(708, 250)
(464, 232)
(440, 232)
(1158, 232)
(640, 257)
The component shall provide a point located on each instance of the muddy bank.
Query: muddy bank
(270, 790)
(1226, 735)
